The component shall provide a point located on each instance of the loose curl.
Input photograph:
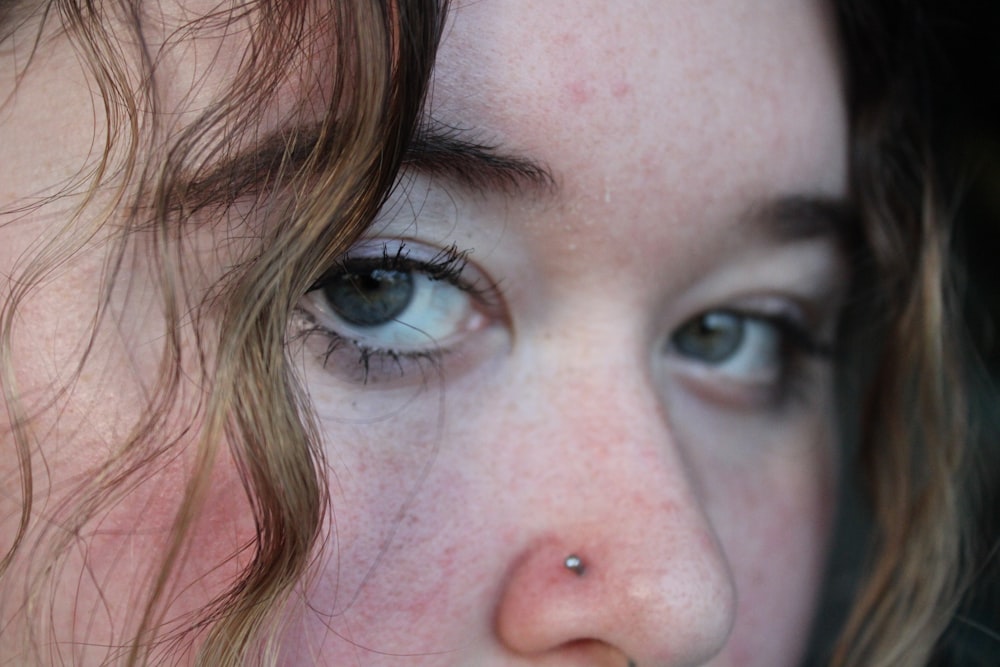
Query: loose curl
(376, 58)
(322, 195)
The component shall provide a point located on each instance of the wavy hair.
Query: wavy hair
(369, 62)
(915, 419)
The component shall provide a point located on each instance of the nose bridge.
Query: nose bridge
(608, 485)
(596, 421)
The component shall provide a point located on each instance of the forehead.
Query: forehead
(652, 94)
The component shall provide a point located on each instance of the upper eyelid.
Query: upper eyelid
(447, 263)
(815, 311)
(444, 262)
(798, 332)
(808, 275)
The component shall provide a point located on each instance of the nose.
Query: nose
(615, 561)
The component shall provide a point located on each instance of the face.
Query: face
(594, 319)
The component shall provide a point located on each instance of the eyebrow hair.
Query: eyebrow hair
(459, 156)
(435, 150)
(805, 217)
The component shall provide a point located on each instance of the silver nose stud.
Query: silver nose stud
(575, 565)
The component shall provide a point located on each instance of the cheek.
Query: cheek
(768, 483)
(409, 563)
(104, 513)
(122, 552)
(776, 536)
(104, 560)
(395, 551)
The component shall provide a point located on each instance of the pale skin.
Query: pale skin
(562, 418)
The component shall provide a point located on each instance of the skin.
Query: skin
(559, 420)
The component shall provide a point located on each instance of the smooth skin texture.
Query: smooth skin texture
(547, 404)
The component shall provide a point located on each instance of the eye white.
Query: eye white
(436, 311)
(759, 359)
(745, 348)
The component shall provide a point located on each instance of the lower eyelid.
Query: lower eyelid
(356, 364)
(342, 360)
(725, 394)
(755, 378)
(407, 337)
(799, 377)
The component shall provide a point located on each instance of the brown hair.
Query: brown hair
(371, 61)
(322, 194)
(914, 428)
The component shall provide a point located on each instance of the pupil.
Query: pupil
(371, 298)
(713, 337)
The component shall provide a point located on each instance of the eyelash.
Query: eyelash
(799, 346)
(796, 345)
(795, 334)
(785, 343)
(401, 360)
(446, 265)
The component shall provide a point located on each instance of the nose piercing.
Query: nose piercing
(574, 564)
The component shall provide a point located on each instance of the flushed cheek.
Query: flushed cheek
(99, 589)
(399, 571)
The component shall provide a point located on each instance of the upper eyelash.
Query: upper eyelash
(795, 333)
(794, 383)
(447, 264)
(791, 330)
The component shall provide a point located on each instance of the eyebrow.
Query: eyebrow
(460, 157)
(436, 150)
(806, 217)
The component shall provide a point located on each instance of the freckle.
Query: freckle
(565, 39)
(578, 92)
(621, 89)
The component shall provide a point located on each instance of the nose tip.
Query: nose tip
(616, 604)
(613, 558)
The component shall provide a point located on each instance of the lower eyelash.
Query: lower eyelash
(802, 350)
(402, 361)
(805, 358)
(368, 356)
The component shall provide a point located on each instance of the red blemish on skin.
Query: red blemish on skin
(564, 39)
(621, 89)
(578, 92)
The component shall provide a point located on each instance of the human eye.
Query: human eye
(746, 358)
(388, 307)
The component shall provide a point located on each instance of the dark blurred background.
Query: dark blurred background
(963, 51)
(967, 98)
